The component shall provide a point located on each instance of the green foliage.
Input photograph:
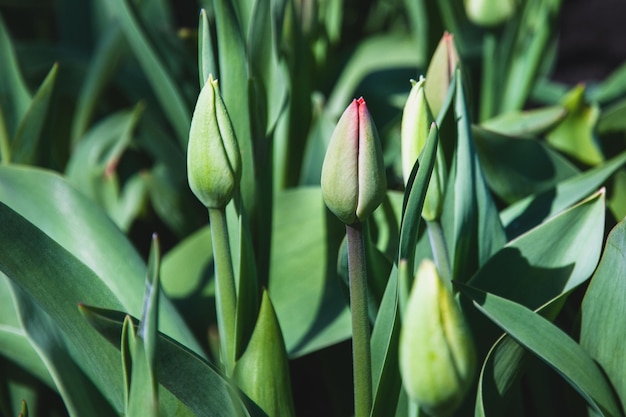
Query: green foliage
(96, 102)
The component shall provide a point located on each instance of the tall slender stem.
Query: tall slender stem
(226, 294)
(361, 356)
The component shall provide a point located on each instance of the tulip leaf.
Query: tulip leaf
(575, 135)
(195, 382)
(310, 306)
(532, 210)
(604, 312)
(80, 395)
(206, 54)
(384, 347)
(515, 168)
(26, 141)
(476, 231)
(85, 235)
(550, 259)
(551, 345)
(14, 95)
(525, 123)
(176, 108)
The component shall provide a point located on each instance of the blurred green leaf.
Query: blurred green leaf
(176, 108)
(551, 345)
(14, 95)
(525, 123)
(611, 88)
(309, 304)
(575, 135)
(516, 167)
(206, 54)
(613, 118)
(26, 140)
(532, 210)
(604, 312)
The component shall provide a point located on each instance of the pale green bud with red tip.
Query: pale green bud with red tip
(213, 158)
(437, 354)
(353, 174)
(440, 71)
(417, 122)
(489, 13)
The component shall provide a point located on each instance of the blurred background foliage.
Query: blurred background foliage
(102, 92)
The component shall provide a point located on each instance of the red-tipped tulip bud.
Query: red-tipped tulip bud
(353, 174)
(213, 159)
(437, 355)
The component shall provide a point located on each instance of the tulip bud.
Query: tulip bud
(213, 159)
(437, 356)
(489, 13)
(353, 174)
(440, 72)
(417, 121)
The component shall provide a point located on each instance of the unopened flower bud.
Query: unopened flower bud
(353, 174)
(437, 355)
(417, 122)
(489, 13)
(213, 158)
(440, 71)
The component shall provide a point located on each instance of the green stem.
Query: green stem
(361, 356)
(5, 146)
(488, 82)
(225, 295)
(440, 251)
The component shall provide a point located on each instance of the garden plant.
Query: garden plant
(307, 208)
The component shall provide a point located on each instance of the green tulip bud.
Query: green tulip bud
(440, 71)
(213, 158)
(353, 174)
(488, 13)
(417, 121)
(437, 355)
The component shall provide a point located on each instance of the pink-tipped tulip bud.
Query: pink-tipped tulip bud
(353, 174)
(437, 354)
(440, 71)
(213, 158)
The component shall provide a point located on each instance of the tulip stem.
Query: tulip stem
(361, 356)
(440, 251)
(225, 294)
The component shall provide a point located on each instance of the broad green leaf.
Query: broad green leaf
(575, 135)
(551, 345)
(14, 343)
(176, 108)
(71, 220)
(14, 94)
(309, 303)
(611, 88)
(604, 312)
(26, 140)
(532, 210)
(549, 260)
(80, 395)
(190, 378)
(525, 123)
(515, 168)
(617, 195)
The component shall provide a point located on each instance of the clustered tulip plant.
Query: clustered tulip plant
(360, 210)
